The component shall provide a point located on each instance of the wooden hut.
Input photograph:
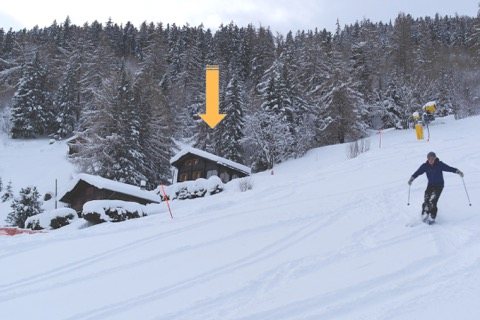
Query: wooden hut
(192, 164)
(86, 187)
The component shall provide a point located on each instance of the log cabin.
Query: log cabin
(192, 164)
(86, 187)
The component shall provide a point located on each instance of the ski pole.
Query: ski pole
(408, 203)
(469, 203)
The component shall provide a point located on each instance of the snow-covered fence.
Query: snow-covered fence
(52, 219)
(193, 189)
(98, 211)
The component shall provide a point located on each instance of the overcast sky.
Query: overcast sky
(280, 15)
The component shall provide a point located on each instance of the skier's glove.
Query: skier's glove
(410, 181)
(460, 173)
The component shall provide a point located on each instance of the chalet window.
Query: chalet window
(183, 177)
(196, 175)
(224, 176)
(190, 163)
(212, 173)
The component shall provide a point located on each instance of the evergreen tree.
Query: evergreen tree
(402, 45)
(98, 65)
(229, 133)
(342, 103)
(155, 130)
(113, 147)
(27, 205)
(67, 102)
(8, 45)
(31, 105)
(8, 195)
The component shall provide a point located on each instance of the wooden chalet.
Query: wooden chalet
(86, 187)
(192, 164)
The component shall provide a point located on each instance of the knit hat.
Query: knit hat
(431, 154)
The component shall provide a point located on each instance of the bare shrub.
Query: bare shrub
(357, 147)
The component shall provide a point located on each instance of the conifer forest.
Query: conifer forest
(132, 95)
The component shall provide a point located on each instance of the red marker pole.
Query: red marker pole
(166, 199)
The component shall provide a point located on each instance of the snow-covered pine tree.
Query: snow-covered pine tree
(229, 132)
(31, 104)
(27, 205)
(155, 130)
(8, 195)
(1, 184)
(341, 102)
(98, 65)
(8, 45)
(401, 45)
(112, 149)
(67, 102)
(263, 55)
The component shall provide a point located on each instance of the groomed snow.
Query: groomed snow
(322, 238)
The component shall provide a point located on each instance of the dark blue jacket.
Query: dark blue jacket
(434, 172)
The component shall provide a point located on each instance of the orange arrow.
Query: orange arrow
(212, 116)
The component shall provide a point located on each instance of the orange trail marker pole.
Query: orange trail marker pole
(166, 199)
(212, 89)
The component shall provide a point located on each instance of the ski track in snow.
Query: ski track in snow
(324, 243)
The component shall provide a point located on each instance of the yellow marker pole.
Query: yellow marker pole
(212, 92)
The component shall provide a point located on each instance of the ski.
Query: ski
(417, 222)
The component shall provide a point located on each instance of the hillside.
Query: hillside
(322, 238)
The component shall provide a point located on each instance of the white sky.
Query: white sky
(280, 15)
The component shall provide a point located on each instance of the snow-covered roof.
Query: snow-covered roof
(212, 157)
(102, 183)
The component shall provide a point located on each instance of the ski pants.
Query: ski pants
(432, 194)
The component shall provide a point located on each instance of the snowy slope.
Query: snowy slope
(31, 162)
(322, 238)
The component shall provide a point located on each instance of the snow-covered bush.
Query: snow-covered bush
(52, 219)
(245, 184)
(98, 211)
(193, 189)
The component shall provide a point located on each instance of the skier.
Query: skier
(434, 169)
